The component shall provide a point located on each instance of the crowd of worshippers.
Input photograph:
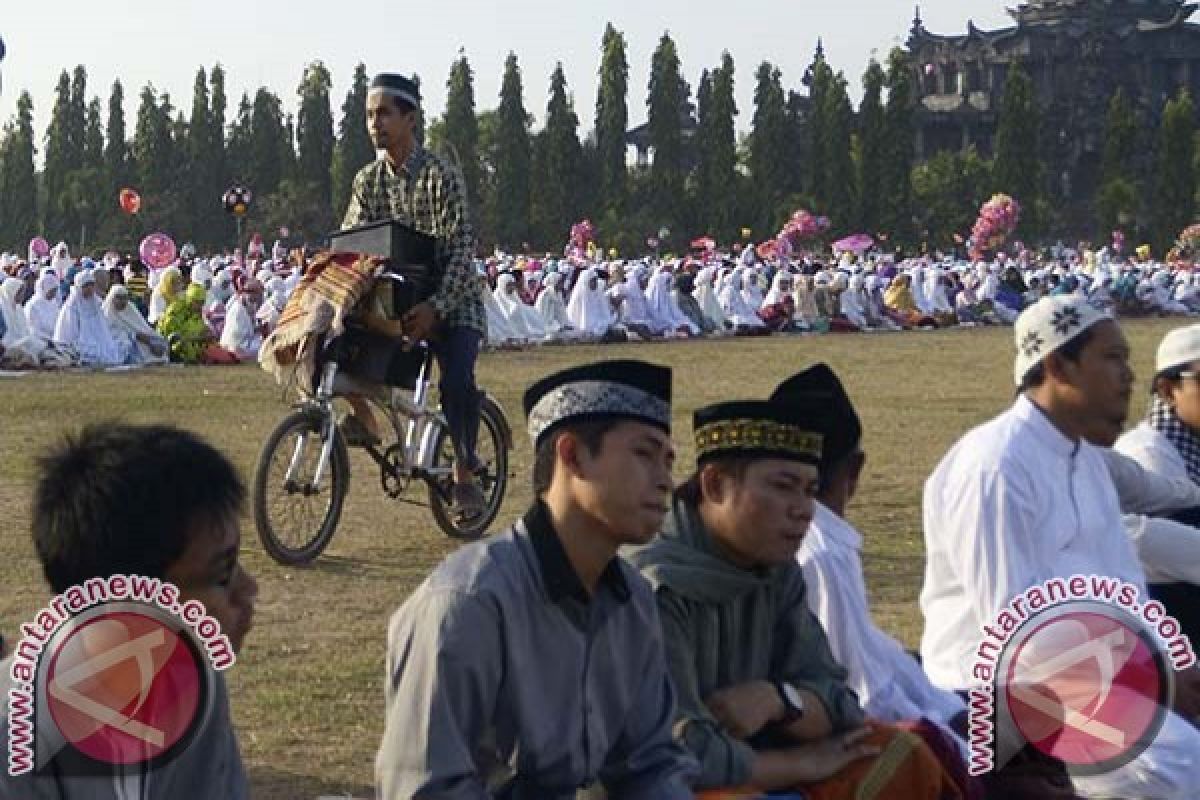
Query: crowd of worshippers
(61, 312)
(541, 301)
(634, 640)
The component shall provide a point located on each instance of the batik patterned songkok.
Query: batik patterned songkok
(633, 390)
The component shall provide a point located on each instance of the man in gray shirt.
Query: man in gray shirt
(531, 665)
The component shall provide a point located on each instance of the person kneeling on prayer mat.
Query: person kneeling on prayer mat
(762, 702)
(531, 665)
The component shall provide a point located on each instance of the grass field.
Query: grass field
(307, 690)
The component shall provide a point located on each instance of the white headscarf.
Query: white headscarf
(41, 312)
(21, 347)
(733, 302)
(127, 323)
(61, 260)
(551, 306)
(240, 336)
(936, 293)
(82, 325)
(201, 274)
(589, 310)
(663, 306)
(500, 329)
(852, 302)
(777, 293)
(524, 319)
(635, 308)
(751, 290)
(706, 297)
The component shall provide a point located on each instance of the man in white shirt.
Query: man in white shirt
(1167, 442)
(1027, 497)
(888, 681)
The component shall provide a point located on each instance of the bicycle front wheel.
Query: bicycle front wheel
(296, 511)
(492, 451)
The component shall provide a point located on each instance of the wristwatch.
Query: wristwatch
(793, 702)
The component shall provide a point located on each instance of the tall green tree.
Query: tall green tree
(1018, 168)
(315, 144)
(896, 212)
(667, 109)
(840, 179)
(61, 161)
(18, 180)
(354, 149)
(513, 159)
(949, 189)
(269, 144)
(223, 224)
(198, 164)
(116, 229)
(820, 83)
(872, 137)
(461, 126)
(153, 151)
(768, 142)
(86, 184)
(557, 168)
(1175, 187)
(612, 119)
(77, 116)
(1117, 193)
(240, 142)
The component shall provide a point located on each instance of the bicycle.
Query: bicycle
(305, 462)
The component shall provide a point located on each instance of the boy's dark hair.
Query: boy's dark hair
(591, 433)
(1072, 351)
(125, 499)
(735, 466)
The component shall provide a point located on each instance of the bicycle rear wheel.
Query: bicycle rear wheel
(296, 518)
(492, 474)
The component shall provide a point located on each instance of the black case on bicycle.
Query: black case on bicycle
(416, 257)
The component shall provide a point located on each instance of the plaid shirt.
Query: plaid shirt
(426, 194)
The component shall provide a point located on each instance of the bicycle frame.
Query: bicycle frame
(415, 425)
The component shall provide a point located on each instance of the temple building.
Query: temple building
(1077, 52)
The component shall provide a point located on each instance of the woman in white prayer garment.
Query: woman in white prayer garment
(852, 302)
(241, 335)
(142, 343)
(734, 305)
(706, 296)
(41, 312)
(551, 307)
(523, 319)
(500, 330)
(589, 309)
(19, 349)
(664, 311)
(82, 326)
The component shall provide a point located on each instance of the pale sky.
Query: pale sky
(268, 42)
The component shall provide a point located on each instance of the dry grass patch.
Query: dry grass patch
(307, 691)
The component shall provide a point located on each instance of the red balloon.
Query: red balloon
(130, 200)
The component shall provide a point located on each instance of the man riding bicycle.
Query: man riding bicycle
(421, 190)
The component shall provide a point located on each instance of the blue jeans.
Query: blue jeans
(457, 350)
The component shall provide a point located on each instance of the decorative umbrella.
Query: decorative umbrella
(856, 243)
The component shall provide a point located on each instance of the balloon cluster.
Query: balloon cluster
(237, 200)
(1188, 246)
(767, 250)
(583, 233)
(803, 226)
(998, 219)
(1118, 241)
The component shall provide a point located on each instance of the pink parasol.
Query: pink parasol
(856, 243)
